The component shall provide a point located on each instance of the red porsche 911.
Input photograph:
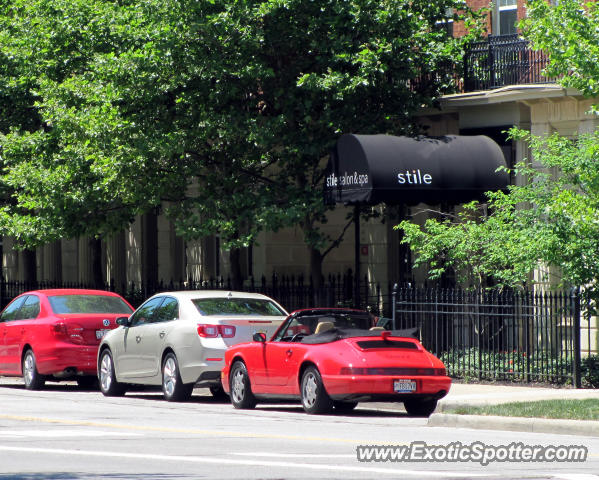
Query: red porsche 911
(332, 358)
(55, 334)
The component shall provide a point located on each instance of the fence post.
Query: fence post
(477, 293)
(576, 360)
(527, 332)
(393, 304)
(491, 64)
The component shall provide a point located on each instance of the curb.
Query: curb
(516, 424)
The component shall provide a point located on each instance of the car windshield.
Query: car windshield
(88, 304)
(303, 325)
(237, 306)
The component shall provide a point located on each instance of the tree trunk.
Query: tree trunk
(316, 268)
(236, 275)
(95, 248)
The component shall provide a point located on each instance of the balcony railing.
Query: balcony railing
(503, 60)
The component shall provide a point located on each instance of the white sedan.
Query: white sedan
(178, 340)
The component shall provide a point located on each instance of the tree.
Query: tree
(568, 33)
(222, 112)
(305, 72)
(551, 220)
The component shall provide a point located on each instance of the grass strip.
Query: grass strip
(586, 409)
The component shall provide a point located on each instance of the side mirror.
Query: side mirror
(124, 321)
(259, 337)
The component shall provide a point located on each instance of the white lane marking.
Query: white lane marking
(248, 462)
(292, 455)
(575, 476)
(64, 433)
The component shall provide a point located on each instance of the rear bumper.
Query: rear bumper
(67, 359)
(375, 387)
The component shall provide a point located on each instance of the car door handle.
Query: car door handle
(289, 352)
(161, 334)
(138, 339)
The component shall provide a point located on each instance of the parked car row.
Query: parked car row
(243, 345)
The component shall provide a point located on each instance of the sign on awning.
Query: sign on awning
(373, 169)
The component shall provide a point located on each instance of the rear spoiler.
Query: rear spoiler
(335, 334)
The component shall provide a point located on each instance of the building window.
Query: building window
(506, 15)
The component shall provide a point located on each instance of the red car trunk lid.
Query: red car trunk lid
(85, 329)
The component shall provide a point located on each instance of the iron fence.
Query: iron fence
(293, 292)
(497, 335)
(503, 60)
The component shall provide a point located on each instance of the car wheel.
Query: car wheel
(315, 399)
(107, 377)
(173, 388)
(218, 392)
(240, 387)
(33, 379)
(420, 408)
(344, 407)
(88, 382)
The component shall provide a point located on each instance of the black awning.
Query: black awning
(371, 169)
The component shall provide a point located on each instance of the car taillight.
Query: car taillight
(208, 331)
(71, 332)
(441, 372)
(59, 329)
(226, 331)
(213, 331)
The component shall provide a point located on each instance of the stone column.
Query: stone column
(133, 248)
(10, 260)
(116, 261)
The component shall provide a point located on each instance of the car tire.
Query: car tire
(344, 407)
(32, 378)
(107, 376)
(218, 393)
(173, 388)
(315, 399)
(87, 382)
(240, 388)
(420, 408)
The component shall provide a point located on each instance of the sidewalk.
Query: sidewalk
(462, 394)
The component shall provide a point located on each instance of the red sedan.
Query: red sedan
(54, 334)
(332, 358)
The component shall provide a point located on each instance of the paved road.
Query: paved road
(65, 433)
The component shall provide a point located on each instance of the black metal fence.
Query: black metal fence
(290, 291)
(503, 60)
(497, 335)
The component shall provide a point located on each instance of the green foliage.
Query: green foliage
(569, 32)
(221, 112)
(548, 220)
(473, 364)
(589, 371)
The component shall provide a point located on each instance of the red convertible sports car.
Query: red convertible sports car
(331, 357)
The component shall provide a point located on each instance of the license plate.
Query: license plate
(404, 386)
(100, 333)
